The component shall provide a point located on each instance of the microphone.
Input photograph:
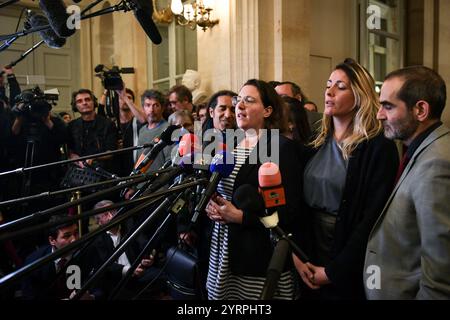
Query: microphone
(219, 169)
(250, 200)
(275, 268)
(269, 178)
(49, 36)
(143, 11)
(188, 145)
(55, 11)
(164, 140)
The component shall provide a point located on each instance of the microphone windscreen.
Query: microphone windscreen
(247, 198)
(272, 191)
(55, 11)
(222, 163)
(188, 144)
(269, 175)
(143, 12)
(49, 36)
(166, 135)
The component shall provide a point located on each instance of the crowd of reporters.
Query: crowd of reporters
(338, 172)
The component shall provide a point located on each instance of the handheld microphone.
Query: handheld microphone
(272, 192)
(143, 11)
(219, 169)
(55, 11)
(250, 200)
(164, 140)
(49, 36)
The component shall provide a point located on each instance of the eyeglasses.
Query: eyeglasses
(247, 100)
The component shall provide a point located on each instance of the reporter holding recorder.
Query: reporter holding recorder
(241, 247)
(346, 184)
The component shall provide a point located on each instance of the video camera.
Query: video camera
(111, 78)
(34, 103)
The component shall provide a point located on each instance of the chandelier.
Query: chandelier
(186, 13)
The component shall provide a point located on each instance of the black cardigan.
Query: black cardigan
(250, 247)
(370, 179)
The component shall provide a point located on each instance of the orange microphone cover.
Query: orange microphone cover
(270, 187)
(269, 175)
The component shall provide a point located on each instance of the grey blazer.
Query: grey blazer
(408, 253)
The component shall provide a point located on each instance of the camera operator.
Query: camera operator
(91, 133)
(37, 137)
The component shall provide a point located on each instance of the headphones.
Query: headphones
(73, 103)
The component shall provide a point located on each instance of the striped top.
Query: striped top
(221, 283)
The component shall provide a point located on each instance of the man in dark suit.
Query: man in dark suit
(408, 253)
(49, 281)
(103, 247)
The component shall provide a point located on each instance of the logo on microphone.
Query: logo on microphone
(74, 20)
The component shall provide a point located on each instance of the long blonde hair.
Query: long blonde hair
(364, 125)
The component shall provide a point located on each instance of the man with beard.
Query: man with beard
(153, 103)
(415, 222)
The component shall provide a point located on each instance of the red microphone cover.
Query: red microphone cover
(188, 145)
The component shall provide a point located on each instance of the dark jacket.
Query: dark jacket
(250, 246)
(42, 283)
(100, 137)
(370, 179)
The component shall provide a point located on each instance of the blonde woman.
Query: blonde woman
(346, 184)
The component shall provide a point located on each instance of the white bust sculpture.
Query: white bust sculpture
(191, 79)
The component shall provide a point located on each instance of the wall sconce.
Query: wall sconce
(191, 14)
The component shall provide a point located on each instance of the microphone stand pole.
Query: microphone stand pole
(119, 7)
(50, 211)
(175, 207)
(121, 247)
(6, 3)
(92, 156)
(23, 55)
(126, 203)
(11, 278)
(87, 186)
(275, 268)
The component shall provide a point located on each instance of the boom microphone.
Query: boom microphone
(164, 140)
(219, 169)
(143, 11)
(49, 36)
(55, 11)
